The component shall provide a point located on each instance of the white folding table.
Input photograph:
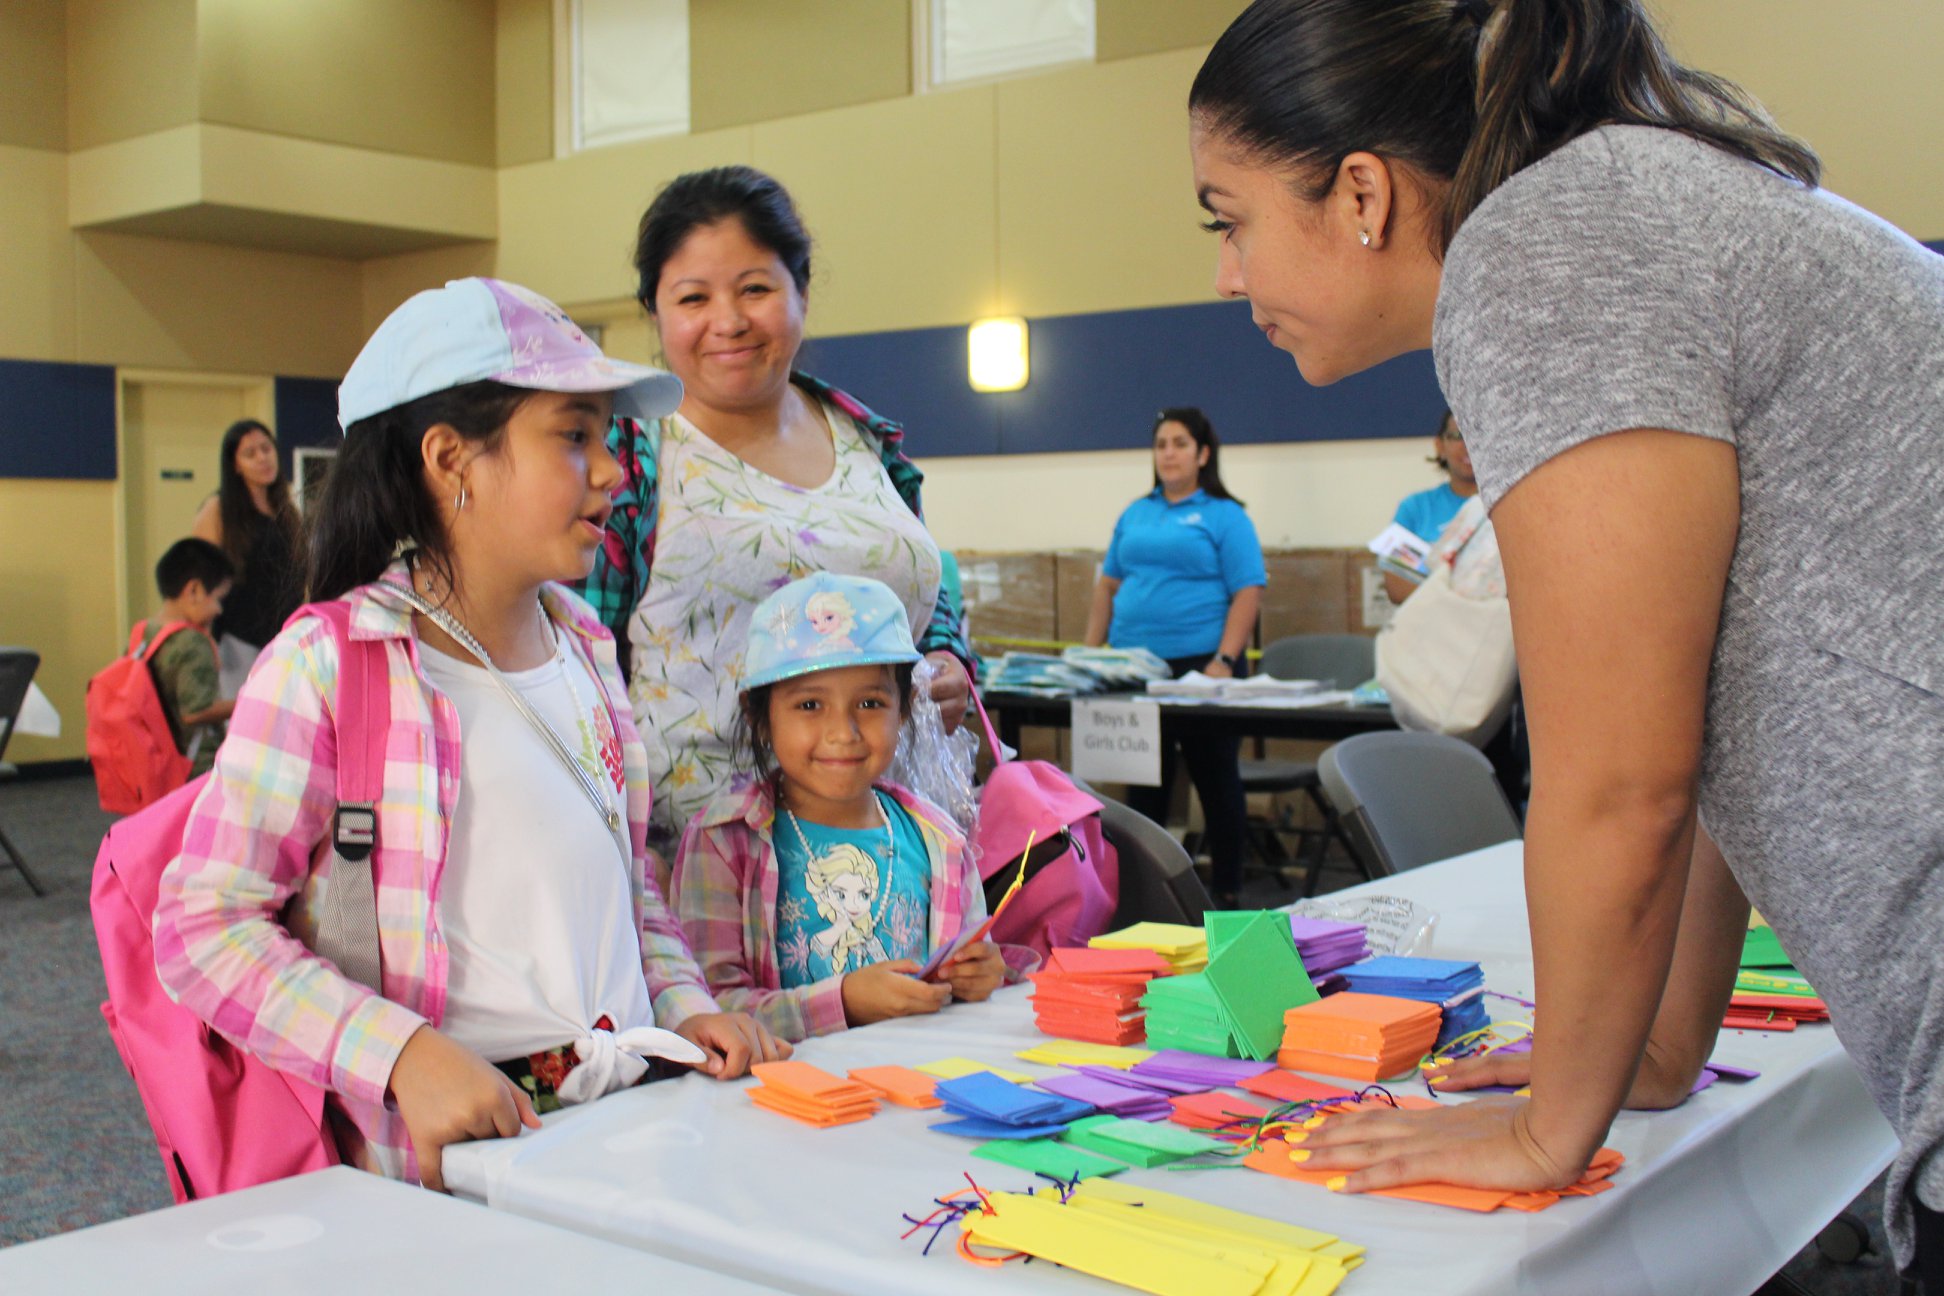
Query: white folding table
(1715, 1195)
(336, 1231)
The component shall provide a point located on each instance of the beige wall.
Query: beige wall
(414, 78)
(523, 81)
(131, 69)
(1126, 28)
(58, 587)
(33, 76)
(756, 60)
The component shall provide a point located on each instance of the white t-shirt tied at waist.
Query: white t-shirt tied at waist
(534, 901)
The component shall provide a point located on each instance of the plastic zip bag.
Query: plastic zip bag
(936, 765)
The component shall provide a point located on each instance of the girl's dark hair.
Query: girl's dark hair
(700, 198)
(1467, 92)
(751, 746)
(375, 497)
(1203, 431)
(235, 504)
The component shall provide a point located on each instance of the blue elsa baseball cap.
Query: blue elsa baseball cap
(822, 622)
(475, 330)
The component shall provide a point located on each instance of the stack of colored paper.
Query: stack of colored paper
(1766, 967)
(988, 1107)
(1083, 1053)
(1183, 1013)
(1776, 1012)
(1326, 946)
(1138, 1142)
(1196, 1068)
(900, 1085)
(1225, 1114)
(1095, 994)
(1113, 1095)
(1158, 1242)
(1456, 986)
(1185, 948)
(1358, 1036)
(811, 1094)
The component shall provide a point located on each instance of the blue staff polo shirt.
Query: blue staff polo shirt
(1426, 513)
(1180, 566)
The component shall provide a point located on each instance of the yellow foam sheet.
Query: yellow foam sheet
(1140, 1258)
(1063, 1052)
(952, 1068)
(1168, 939)
(1313, 1263)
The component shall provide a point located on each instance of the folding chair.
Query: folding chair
(17, 667)
(1410, 799)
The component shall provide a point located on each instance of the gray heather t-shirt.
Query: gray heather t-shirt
(1638, 278)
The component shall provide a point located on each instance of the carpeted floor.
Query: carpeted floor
(74, 1147)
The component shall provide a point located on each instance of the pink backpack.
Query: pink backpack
(130, 745)
(223, 1119)
(1072, 885)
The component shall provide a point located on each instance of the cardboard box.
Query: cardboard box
(1074, 572)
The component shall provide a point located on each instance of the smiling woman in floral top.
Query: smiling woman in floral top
(763, 475)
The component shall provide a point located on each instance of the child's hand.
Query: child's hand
(975, 972)
(448, 1094)
(892, 989)
(734, 1042)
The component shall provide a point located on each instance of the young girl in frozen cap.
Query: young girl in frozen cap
(815, 894)
(525, 960)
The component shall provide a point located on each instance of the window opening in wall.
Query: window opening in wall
(622, 68)
(964, 42)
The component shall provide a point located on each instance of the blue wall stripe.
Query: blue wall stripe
(57, 420)
(306, 416)
(1098, 379)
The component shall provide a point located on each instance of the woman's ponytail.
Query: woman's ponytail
(1463, 92)
(1548, 71)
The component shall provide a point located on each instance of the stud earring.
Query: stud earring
(1364, 237)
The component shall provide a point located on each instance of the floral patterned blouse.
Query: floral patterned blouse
(725, 535)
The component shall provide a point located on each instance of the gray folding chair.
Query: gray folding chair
(1409, 799)
(1340, 661)
(17, 667)
(1158, 882)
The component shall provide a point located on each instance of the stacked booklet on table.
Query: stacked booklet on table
(1455, 985)
(1185, 947)
(1095, 994)
(1326, 946)
(1358, 1036)
(811, 1094)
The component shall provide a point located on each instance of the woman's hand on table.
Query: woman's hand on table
(1218, 669)
(1486, 1143)
(951, 688)
(975, 972)
(733, 1041)
(1660, 1083)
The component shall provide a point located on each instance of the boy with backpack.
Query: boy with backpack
(155, 714)
(193, 578)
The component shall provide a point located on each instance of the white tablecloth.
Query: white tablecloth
(1715, 1195)
(334, 1232)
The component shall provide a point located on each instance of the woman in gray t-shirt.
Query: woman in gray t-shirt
(1705, 400)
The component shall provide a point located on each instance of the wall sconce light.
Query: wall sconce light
(996, 354)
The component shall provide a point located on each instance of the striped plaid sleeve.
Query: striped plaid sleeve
(708, 897)
(221, 949)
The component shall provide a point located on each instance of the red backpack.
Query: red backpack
(223, 1119)
(130, 744)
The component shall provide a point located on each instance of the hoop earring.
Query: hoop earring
(459, 500)
(1364, 237)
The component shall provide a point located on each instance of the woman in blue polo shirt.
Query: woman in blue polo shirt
(1426, 513)
(1183, 578)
